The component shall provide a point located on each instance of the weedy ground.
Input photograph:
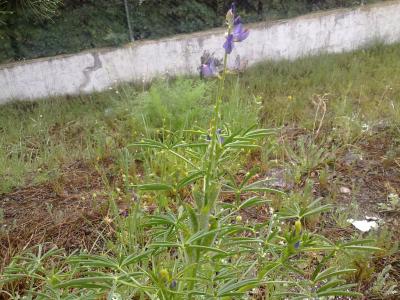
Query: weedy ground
(338, 136)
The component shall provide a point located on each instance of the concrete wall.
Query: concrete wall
(96, 70)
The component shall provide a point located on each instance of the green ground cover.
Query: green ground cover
(335, 121)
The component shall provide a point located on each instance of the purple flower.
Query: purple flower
(228, 45)
(239, 33)
(297, 245)
(233, 8)
(237, 20)
(221, 139)
(209, 69)
(124, 213)
(173, 284)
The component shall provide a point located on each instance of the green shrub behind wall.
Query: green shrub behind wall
(85, 24)
(93, 24)
(6, 51)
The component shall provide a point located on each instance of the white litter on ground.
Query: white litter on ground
(364, 225)
(345, 190)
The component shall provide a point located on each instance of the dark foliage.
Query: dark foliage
(75, 25)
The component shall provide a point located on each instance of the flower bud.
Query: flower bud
(230, 18)
(297, 226)
(164, 274)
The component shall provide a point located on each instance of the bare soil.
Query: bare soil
(66, 213)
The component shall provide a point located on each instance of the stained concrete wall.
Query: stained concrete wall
(96, 70)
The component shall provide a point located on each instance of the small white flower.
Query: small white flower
(365, 127)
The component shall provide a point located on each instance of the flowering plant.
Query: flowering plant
(205, 245)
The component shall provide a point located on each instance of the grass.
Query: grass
(338, 118)
(37, 138)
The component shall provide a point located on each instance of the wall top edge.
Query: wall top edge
(201, 34)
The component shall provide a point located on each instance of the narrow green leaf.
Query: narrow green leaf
(161, 220)
(211, 249)
(328, 273)
(147, 143)
(340, 293)
(358, 242)
(190, 145)
(240, 241)
(155, 187)
(269, 267)
(93, 260)
(259, 186)
(317, 210)
(134, 258)
(190, 179)
(331, 284)
(362, 248)
(241, 145)
(240, 286)
(259, 133)
(88, 282)
(254, 201)
(202, 234)
(164, 245)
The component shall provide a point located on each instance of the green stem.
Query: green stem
(211, 173)
(212, 150)
(210, 186)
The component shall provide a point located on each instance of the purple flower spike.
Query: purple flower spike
(233, 8)
(239, 33)
(228, 45)
(209, 69)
